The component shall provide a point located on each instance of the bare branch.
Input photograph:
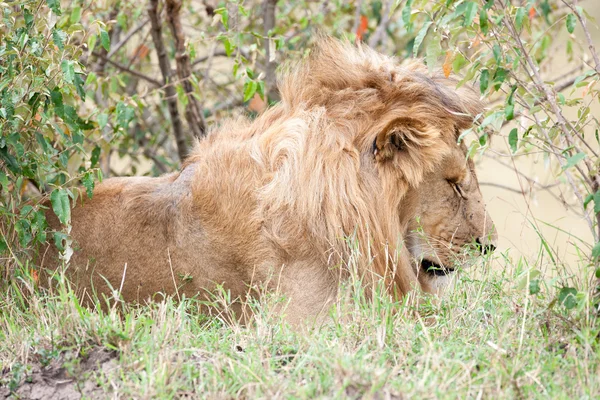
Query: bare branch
(378, 35)
(101, 64)
(128, 36)
(220, 53)
(270, 65)
(586, 31)
(128, 70)
(165, 68)
(193, 111)
(593, 179)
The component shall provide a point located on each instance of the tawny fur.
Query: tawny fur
(355, 144)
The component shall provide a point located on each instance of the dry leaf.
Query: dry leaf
(447, 67)
(362, 28)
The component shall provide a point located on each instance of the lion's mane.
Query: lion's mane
(318, 180)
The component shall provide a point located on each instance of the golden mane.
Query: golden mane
(314, 152)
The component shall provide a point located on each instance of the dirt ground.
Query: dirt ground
(67, 377)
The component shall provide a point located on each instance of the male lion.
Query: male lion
(359, 147)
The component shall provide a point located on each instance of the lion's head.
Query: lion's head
(451, 224)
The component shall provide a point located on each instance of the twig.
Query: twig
(500, 186)
(385, 18)
(129, 35)
(128, 70)
(593, 179)
(193, 111)
(558, 88)
(220, 53)
(269, 24)
(99, 66)
(165, 68)
(586, 31)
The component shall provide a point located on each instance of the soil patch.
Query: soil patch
(56, 381)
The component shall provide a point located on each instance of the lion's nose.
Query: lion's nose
(484, 245)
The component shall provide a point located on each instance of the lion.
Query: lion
(360, 149)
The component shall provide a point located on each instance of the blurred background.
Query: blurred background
(525, 212)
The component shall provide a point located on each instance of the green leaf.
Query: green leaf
(102, 119)
(68, 70)
(105, 39)
(483, 139)
(57, 100)
(28, 17)
(60, 205)
(499, 77)
(534, 286)
(420, 36)
(519, 18)
(509, 112)
(513, 140)
(571, 22)
(497, 51)
(597, 202)
(59, 239)
(596, 250)
(75, 15)
(54, 6)
(92, 42)
(573, 160)
(23, 229)
(458, 63)
(79, 85)
(249, 89)
(567, 298)
(406, 13)
(224, 13)
(433, 52)
(88, 181)
(59, 37)
(484, 80)
(228, 46)
(470, 13)
(587, 200)
(95, 156)
(125, 114)
(483, 21)
(3, 180)
(261, 89)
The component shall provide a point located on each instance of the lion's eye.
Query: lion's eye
(458, 189)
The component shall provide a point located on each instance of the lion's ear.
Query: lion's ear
(386, 144)
(397, 135)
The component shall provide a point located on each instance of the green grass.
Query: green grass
(487, 338)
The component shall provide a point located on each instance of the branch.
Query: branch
(99, 66)
(129, 35)
(269, 23)
(165, 68)
(128, 70)
(586, 32)
(193, 111)
(220, 53)
(385, 18)
(557, 87)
